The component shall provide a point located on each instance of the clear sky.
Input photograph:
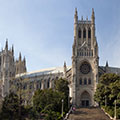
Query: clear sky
(43, 29)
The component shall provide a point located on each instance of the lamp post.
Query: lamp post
(115, 111)
(62, 106)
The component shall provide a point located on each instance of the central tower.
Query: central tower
(85, 61)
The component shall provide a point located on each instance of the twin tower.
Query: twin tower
(85, 62)
(9, 67)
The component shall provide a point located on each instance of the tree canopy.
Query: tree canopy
(10, 107)
(49, 101)
(108, 90)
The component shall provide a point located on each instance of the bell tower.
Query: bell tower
(85, 61)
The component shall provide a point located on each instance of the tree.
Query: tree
(10, 107)
(108, 90)
(61, 85)
(47, 100)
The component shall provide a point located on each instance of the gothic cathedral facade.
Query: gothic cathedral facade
(85, 62)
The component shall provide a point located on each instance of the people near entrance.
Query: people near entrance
(73, 108)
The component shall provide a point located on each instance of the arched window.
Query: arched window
(87, 53)
(85, 81)
(80, 81)
(79, 33)
(84, 33)
(80, 53)
(89, 33)
(89, 81)
(48, 83)
(40, 85)
(37, 86)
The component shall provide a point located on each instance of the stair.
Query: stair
(88, 114)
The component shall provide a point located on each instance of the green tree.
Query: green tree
(108, 90)
(52, 115)
(61, 85)
(10, 107)
(47, 100)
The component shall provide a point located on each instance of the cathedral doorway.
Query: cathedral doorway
(85, 99)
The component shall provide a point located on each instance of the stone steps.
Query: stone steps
(88, 114)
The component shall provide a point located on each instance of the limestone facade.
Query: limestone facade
(8, 69)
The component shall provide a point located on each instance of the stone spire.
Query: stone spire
(12, 50)
(75, 16)
(24, 60)
(65, 69)
(106, 64)
(75, 25)
(6, 45)
(20, 58)
(75, 11)
(93, 16)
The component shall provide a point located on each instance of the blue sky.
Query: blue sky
(43, 29)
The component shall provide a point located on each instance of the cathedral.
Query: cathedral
(82, 75)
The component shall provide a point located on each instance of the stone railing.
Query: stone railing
(107, 114)
(67, 114)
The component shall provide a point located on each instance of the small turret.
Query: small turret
(93, 17)
(75, 24)
(6, 45)
(75, 16)
(93, 39)
(20, 58)
(106, 64)
(24, 60)
(65, 69)
(107, 67)
(82, 18)
(12, 50)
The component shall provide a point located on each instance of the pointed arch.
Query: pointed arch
(89, 33)
(79, 33)
(89, 81)
(85, 95)
(84, 33)
(85, 99)
(80, 81)
(85, 81)
(48, 83)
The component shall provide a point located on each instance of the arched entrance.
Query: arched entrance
(85, 99)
